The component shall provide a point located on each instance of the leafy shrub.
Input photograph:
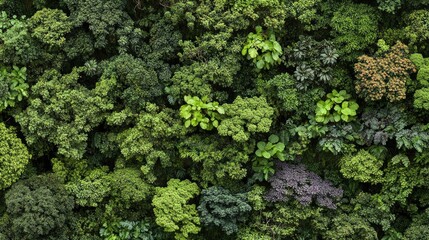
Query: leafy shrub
(245, 116)
(344, 108)
(50, 26)
(127, 230)
(297, 182)
(263, 49)
(218, 207)
(354, 28)
(198, 112)
(39, 208)
(362, 167)
(13, 87)
(263, 164)
(14, 157)
(313, 61)
(172, 211)
(384, 76)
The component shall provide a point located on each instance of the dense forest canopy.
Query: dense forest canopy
(214, 119)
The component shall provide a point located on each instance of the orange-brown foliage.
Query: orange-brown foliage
(384, 76)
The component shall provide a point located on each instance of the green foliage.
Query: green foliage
(152, 139)
(246, 116)
(313, 61)
(417, 27)
(39, 208)
(14, 157)
(220, 208)
(344, 109)
(172, 210)
(263, 49)
(362, 167)
(390, 6)
(90, 191)
(421, 99)
(216, 161)
(61, 111)
(354, 28)
(12, 86)
(418, 229)
(117, 99)
(126, 230)
(350, 226)
(50, 26)
(198, 112)
(263, 164)
(280, 91)
(17, 47)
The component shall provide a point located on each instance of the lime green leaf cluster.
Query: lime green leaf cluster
(263, 164)
(172, 210)
(50, 26)
(13, 87)
(363, 167)
(200, 112)
(14, 157)
(246, 116)
(344, 109)
(263, 49)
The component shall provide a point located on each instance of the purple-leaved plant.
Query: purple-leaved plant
(305, 186)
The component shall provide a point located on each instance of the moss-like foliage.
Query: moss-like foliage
(244, 117)
(14, 157)
(39, 208)
(172, 210)
(362, 167)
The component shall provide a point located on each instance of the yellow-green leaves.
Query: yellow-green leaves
(200, 112)
(13, 87)
(263, 49)
(14, 157)
(172, 212)
(344, 109)
(50, 26)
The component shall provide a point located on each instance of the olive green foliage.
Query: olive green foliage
(39, 208)
(280, 91)
(263, 164)
(14, 157)
(13, 87)
(220, 208)
(172, 210)
(354, 28)
(198, 112)
(16, 38)
(263, 49)
(350, 227)
(362, 167)
(215, 162)
(146, 142)
(174, 119)
(62, 111)
(246, 116)
(50, 26)
(417, 27)
(390, 6)
(336, 107)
